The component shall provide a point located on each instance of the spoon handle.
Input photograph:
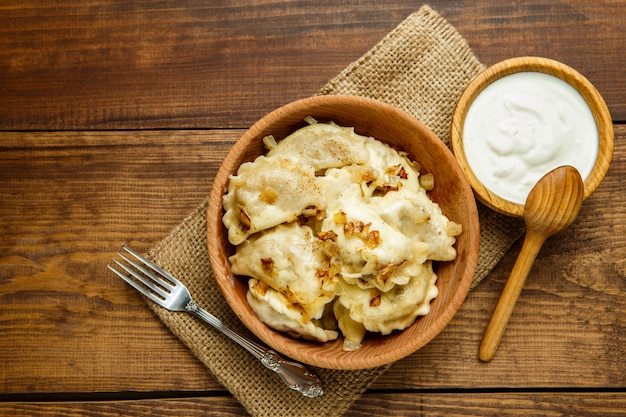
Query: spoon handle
(495, 329)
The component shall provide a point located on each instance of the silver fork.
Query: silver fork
(165, 290)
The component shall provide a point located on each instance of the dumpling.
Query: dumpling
(370, 253)
(323, 146)
(338, 181)
(353, 332)
(421, 220)
(274, 309)
(388, 170)
(396, 309)
(440, 234)
(268, 192)
(290, 260)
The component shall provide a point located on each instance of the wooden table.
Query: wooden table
(114, 117)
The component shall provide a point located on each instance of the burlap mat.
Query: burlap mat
(422, 67)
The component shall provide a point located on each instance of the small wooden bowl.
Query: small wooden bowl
(452, 192)
(533, 64)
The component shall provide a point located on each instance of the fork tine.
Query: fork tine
(152, 265)
(135, 285)
(146, 280)
(149, 274)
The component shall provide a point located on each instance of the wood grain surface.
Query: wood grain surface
(114, 117)
(195, 64)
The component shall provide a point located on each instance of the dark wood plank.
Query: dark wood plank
(69, 199)
(196, 64)
(191, 407)
(387, 404)
(491, 404)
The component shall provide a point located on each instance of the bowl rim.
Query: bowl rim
(225, 278)
(548, 66)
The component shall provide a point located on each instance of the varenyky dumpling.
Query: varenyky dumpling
(389, 170)
(336, 231)
(353, 331)
(275, 310)
(420, 220)
(370, 252)
(290, 260)
(396, 309)
(323, 146)
(409, 208)
(266, 193)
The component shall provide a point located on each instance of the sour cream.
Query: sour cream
(522, 126)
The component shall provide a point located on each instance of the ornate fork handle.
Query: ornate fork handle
(293, 374)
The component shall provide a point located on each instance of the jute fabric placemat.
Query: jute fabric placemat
(422, 67)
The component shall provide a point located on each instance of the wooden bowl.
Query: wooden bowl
(589, 93)
(452, 192)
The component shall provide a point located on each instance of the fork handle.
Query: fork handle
(293, 374)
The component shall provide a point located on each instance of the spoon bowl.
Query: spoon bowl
(551, 206)
(554, 202)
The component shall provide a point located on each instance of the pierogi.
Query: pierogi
(336, 235)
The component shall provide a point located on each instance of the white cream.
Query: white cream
(522, 126)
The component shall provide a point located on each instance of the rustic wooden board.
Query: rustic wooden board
(198, 64)
(69, 199)
(114, 117)
(469, 404)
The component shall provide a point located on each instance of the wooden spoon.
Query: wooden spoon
(551, 206)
